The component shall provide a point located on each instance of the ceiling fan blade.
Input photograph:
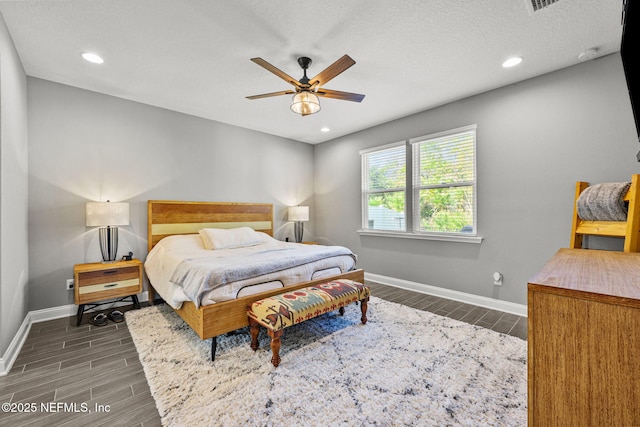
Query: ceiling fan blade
(332, 70)
(267, 95)
(284, 76)
(336, 94)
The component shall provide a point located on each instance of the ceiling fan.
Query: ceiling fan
(307, 91)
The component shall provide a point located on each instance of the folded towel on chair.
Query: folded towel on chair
(603, 202)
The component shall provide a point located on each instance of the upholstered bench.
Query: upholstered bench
(289, 308)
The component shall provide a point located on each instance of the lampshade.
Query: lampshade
(299, 213)
(305, 103)
(101, 214)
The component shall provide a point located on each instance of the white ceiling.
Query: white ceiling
(192, 56)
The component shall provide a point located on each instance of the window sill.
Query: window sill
(404, 235)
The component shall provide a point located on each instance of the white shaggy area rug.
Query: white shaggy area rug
(405, 367)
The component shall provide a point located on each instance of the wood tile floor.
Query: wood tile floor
(96, 372)
(498, 321)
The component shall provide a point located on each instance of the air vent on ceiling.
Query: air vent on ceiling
(536, 5)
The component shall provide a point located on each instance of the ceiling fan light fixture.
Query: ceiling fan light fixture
(305, 103)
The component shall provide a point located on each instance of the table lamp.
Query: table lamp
(107, 216)
(299, 214)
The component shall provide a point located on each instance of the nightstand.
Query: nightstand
(106, 281)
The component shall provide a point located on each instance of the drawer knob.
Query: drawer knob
(111, 285)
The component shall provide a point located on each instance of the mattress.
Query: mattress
(181, 269)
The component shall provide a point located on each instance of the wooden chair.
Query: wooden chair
(629, 229)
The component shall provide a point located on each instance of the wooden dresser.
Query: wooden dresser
(584, 340)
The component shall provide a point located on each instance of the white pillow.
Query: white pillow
(219, 238)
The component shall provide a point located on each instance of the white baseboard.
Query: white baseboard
(9, 356)
(37, 316)
(494, 304)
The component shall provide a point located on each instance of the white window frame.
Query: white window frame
(412, 189)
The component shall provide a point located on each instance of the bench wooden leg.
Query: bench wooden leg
(364, 304)
(275, 345)
(254, 329)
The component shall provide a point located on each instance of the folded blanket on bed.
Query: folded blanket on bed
(197, 276)
(603, 202)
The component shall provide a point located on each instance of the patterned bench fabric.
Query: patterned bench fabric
(281, 311)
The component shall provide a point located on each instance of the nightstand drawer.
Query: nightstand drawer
(91, 278)
(108, 286)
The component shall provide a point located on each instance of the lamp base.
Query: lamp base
(298, 230)
(108, 243)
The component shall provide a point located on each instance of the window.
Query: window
(384, 182)
(444, 182)
(440, 170)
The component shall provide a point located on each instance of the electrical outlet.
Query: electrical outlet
(497, 278)
(70, 283)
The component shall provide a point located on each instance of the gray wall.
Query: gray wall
(535, 140)
(13, 191)
(86, 146)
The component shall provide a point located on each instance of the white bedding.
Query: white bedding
(172, 253)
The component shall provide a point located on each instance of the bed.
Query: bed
(211, 316)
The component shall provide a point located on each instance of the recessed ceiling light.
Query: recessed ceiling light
(325, 129)
(512, 62)
(588, 54)
(92, 57)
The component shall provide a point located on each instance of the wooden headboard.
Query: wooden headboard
(167, 217)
